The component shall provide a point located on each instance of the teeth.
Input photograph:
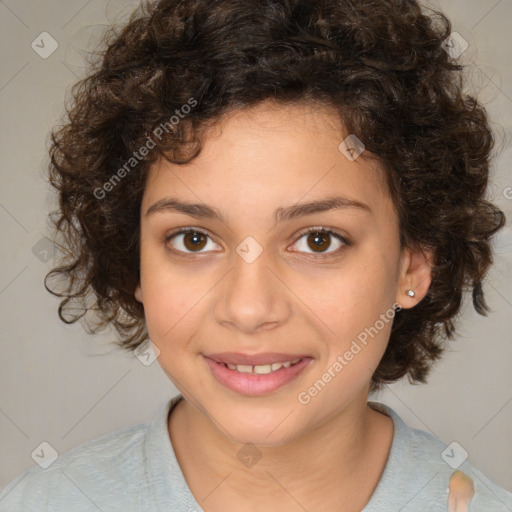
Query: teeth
(244, 368)
(261, 369)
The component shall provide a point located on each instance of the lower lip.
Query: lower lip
(252, 383)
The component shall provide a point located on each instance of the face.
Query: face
(268, 279)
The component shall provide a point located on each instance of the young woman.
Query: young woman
(287, 198)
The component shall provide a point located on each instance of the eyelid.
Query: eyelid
(188, 229)
(323, 229)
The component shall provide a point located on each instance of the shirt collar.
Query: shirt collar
(166, 487)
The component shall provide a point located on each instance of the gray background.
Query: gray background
(64, 387)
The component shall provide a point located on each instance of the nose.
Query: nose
(252, 297)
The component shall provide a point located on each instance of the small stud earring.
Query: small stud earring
(410, 293)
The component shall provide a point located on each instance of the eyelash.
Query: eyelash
(345, 241)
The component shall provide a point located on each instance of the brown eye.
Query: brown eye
(319, 240)
(194, 241)
(189, 240)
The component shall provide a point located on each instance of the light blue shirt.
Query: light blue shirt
(136, 470)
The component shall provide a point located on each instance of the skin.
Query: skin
(328, 454)
(462, 490)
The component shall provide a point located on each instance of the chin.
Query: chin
(250, 430)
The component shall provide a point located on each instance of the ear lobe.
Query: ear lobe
(416, 275)
(138, 293)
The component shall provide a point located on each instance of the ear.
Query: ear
(138, 293)
(415, 274)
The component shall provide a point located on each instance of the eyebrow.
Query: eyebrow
(204, 211)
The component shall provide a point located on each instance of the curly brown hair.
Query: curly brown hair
(381, 64)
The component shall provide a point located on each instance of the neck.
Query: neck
(349, 450)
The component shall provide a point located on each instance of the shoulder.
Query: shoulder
(84, 478)
(441, 461)
(420, 467)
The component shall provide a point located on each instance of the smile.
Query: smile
(261, 369)
(255, 380)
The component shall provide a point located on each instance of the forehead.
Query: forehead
(268, 156)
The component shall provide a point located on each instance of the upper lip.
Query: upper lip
(255, 359)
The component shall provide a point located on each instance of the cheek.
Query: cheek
(170, 299)
(170, 306)
(355, 306)
(352, 297)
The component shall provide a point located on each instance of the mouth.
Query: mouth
(261, 369)
(256, 379)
